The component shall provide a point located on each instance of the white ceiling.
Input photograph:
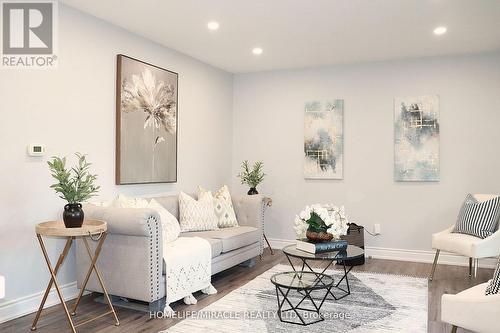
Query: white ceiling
(305, 33)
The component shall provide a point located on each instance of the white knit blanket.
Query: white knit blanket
(188, 262)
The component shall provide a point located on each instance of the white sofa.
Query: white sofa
(131, 260)
(466, 245)
(472, 309)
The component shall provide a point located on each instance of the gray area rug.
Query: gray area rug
(378, 303)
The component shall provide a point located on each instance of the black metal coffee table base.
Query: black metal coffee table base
(289, 285)
(297, 307)
(345, 291)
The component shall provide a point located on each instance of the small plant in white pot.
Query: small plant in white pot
(74, 185)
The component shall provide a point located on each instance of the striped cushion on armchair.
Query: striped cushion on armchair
(478, 219)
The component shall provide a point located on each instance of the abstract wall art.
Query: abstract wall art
(146, 123)
(323, 139)
(416, 138)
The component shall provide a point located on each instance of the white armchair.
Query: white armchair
(472, 309)
(472, 247)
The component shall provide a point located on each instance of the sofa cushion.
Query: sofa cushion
(216, 246)
(231, 238)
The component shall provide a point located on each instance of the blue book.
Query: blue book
(307, 246)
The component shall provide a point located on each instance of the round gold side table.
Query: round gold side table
(96, 230)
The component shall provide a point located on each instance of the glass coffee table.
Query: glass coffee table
(352, 252)
(304, 283)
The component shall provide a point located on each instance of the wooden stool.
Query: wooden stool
(89, 228)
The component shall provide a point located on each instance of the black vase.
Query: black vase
(252, 191)
(73, 215)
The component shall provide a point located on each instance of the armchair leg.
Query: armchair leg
(431, 276)
(453, 329)
(470, 267)
(476, 263)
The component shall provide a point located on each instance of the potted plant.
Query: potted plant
(321, 223)
(74, 185)
(252, 177)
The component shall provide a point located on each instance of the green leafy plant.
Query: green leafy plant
(252, 177)
(76, 184)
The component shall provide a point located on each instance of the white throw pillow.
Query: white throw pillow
(197, 215)
(223, 206)
(108, 203)
(169, 224)
(122, 201)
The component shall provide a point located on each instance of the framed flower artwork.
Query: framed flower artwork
(146, 123)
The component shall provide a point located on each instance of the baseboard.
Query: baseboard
(405, 255)
(28, 304)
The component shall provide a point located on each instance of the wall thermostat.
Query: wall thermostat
(36, 150)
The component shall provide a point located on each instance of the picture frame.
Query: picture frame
(146, 123)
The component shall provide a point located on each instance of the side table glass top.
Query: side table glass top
(302, 280)
(351, 252)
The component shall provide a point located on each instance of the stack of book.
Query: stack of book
(307, 246)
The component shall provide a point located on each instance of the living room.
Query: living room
(250, 166)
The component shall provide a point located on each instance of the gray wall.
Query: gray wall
(72, 108)
(268, 126)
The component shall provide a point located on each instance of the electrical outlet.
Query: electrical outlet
(376, 229)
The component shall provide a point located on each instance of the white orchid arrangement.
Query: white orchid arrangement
(317, 217)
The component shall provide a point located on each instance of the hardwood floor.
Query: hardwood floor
(448, 279)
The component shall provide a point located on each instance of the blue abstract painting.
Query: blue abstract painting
(323, 139)
(416, 138)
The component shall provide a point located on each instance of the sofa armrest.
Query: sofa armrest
(132, 256)
(123, 221)
(249, 210)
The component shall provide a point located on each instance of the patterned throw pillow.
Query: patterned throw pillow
(223, 206)
(494, 284)
(169, 224)
(197, 215)
(478, 219)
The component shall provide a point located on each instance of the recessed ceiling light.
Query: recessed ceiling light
(257, 50)
(440, 31)
(213, 25)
